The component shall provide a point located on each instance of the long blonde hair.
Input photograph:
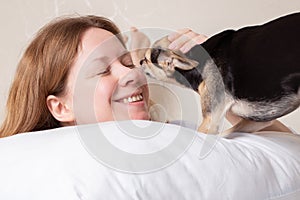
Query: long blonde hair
(43, 71)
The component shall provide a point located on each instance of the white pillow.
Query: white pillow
(71, 163)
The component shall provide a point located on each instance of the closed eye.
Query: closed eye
(130, 66)
(104, 73)
(127, 61)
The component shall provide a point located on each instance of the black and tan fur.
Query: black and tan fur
(253, 72)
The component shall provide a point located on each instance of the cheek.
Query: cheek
(104, 90)
(102, 100)
(146, 92)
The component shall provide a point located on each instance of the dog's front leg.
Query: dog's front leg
(212, 95)
(212, 111)
(205, 105)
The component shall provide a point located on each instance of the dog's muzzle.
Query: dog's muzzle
(143, 60)
(153, 57)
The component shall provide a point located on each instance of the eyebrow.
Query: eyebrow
(108, 60)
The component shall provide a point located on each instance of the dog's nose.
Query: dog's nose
(154, 54)
(142, 61)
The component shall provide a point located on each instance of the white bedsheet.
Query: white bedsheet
(57, 164)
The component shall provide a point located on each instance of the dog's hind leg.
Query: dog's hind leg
(248, 126)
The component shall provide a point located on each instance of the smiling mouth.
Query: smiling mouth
(134, 98)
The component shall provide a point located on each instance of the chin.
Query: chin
(140, 116)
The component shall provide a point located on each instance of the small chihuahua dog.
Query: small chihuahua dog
(253, 72)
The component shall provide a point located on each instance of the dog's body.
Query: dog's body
(254, 72)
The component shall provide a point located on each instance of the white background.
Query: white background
(20, 19)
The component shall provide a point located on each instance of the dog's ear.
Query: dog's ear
(169, 60)
(176, 59)
(184, 63)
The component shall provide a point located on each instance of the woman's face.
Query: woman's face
(103, 85)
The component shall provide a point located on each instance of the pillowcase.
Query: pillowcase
(147, 160)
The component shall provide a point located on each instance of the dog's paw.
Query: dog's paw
(206, 130)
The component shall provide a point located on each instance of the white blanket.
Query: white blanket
(69, 163)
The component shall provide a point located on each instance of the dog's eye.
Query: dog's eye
(154, 55)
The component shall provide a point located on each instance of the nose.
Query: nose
(128, 76)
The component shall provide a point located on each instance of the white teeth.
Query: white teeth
(135, 98)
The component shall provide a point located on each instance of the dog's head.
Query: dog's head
(162, 63)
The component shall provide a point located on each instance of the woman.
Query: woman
(43, 93)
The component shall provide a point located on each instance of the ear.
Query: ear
(184, 63)
(60, 110)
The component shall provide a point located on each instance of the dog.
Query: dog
(253, 73)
